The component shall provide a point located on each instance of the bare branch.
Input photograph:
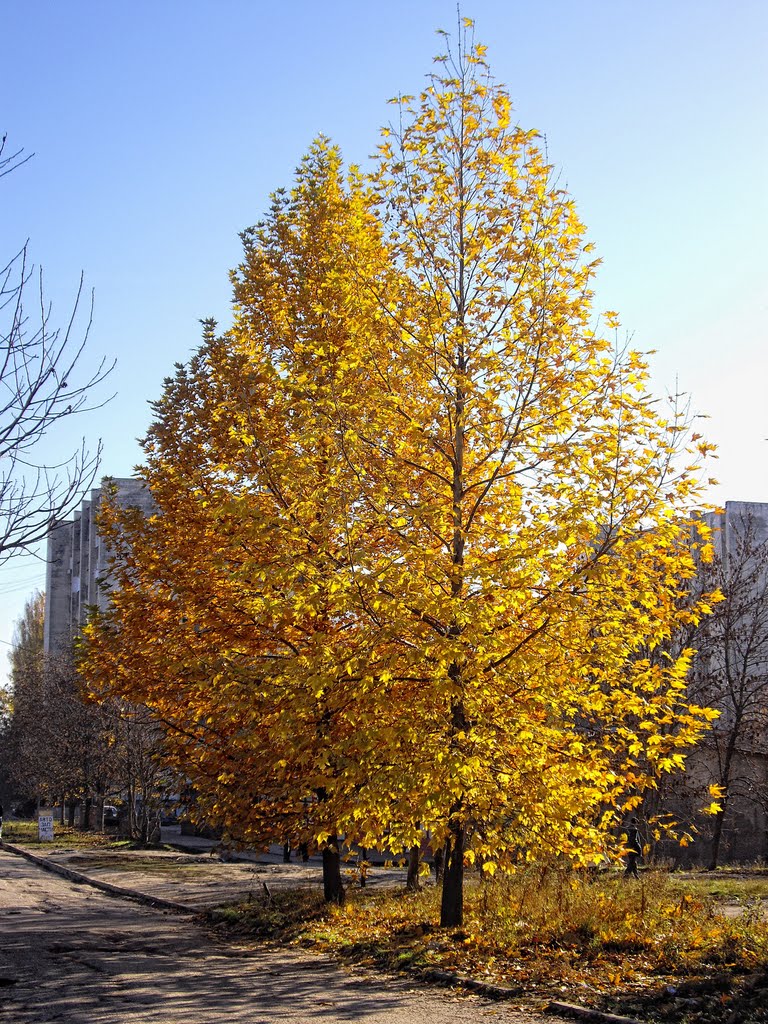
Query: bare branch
(41, 385)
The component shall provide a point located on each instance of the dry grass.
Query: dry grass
(25, 832)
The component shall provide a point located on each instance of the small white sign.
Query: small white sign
(45, 828)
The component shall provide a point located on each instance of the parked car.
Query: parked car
(109, 816)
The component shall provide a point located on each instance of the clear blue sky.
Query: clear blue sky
(160, 128)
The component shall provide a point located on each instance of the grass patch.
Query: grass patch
(25, 833)
(741, 887)
(102, 851)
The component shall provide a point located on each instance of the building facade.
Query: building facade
(78, 562)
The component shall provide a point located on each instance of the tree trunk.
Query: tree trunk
(143, 826)
(452, 903)
(724, 781)
(717, 837)
(412, 880)
(333, 887)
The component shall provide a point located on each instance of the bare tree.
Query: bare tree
(60, 747)
(57, 746)
(40, 386)
(26, 670)
(141, 780)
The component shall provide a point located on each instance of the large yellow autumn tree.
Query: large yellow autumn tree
(419, 520)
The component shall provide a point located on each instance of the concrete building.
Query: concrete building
(77, 562)
(738, 518)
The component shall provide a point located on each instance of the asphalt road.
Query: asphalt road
(72, 955)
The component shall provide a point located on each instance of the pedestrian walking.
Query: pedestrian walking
(634, 848)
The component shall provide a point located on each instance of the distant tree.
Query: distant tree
(26, 669)
(27, 651)
(40, 387)
(58, 748)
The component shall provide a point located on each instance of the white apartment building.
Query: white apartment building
(77, 562)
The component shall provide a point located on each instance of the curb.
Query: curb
(584, 1013)
(120, 892)
(484, 988)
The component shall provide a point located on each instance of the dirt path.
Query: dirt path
(72, 955)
